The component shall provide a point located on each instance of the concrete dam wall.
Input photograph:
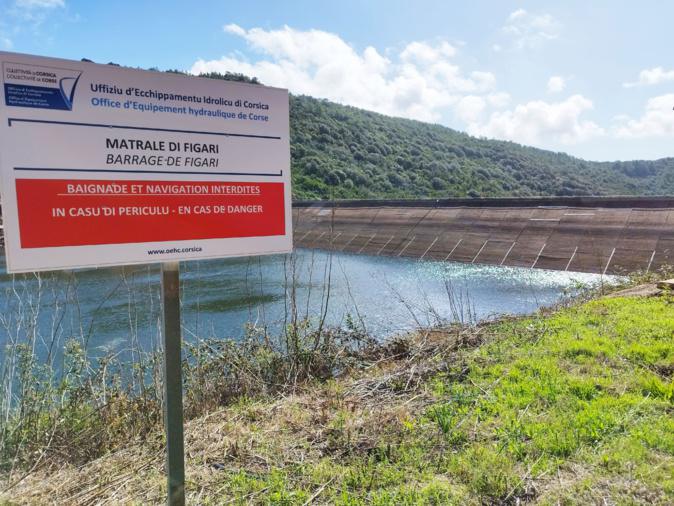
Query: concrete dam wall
(606, 235)
(599, 235)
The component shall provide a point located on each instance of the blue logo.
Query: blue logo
(39, 87)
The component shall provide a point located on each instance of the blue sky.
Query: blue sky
(594, 79)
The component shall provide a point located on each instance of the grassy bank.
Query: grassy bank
(570, 407)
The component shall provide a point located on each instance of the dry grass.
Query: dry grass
(258, 436)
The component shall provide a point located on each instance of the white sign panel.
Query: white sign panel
(102, 165)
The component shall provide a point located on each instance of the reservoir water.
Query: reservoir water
(115, 308)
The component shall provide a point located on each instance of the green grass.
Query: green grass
(572, 407)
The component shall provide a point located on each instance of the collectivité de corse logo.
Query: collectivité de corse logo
(39, 87)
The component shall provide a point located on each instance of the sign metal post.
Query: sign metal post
(173, 388)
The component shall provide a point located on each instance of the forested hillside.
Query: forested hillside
(343, 152)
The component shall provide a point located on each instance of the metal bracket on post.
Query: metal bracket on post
(173, 387)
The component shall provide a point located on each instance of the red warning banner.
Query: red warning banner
(62, 212)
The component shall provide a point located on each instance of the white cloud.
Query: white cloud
(19, 17)
(33, 13)
(421, 52)
(419, 82)
(542, 123)
(470, 108)
(530, 30)
(656, 121)
(235, 29)
(498, 100)
(40, 4)
(556, 84)
(656, 75)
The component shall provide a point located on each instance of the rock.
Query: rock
(647, 290)
(667, 284)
